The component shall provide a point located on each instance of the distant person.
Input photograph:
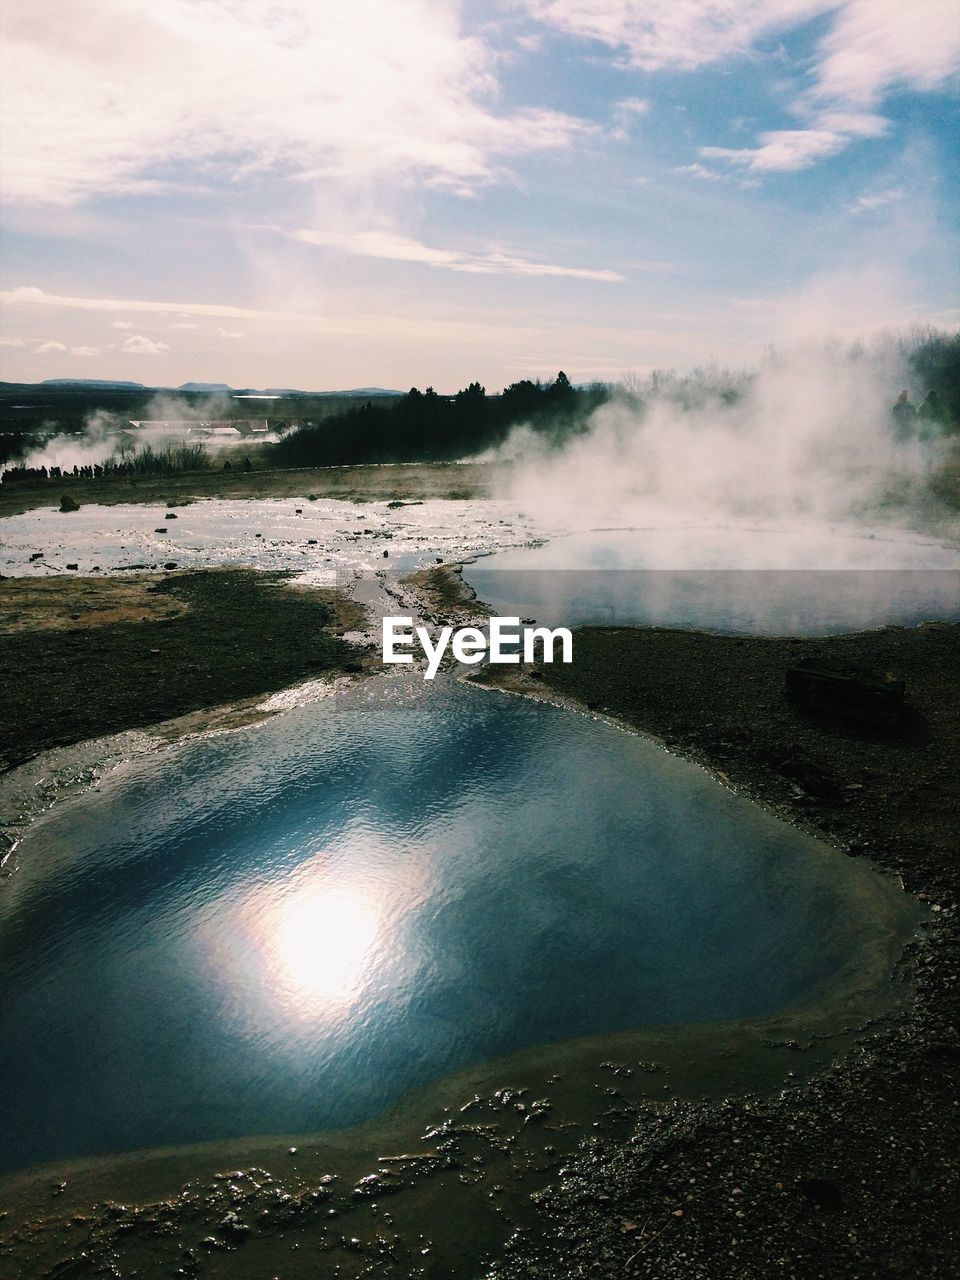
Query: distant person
(227, 466)
(247, 464)
(930, 415)
(904, 417)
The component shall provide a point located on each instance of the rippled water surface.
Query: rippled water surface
(284, 929)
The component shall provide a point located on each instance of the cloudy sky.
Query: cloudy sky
(319, 194)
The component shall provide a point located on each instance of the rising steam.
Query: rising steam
(807, 437)
(163, 422)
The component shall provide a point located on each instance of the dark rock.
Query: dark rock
(822, 1191)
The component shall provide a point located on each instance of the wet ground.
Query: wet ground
(325, 543)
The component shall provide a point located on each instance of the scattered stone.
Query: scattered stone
(231, 1226)
(67, 504)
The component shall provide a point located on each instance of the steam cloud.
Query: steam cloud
(808, 437)
(108, 436)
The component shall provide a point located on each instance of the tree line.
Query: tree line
(424, 426)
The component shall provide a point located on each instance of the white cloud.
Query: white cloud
(858, 124)
(876, 200)
(783, 150)
(31, 296)
(654, 34)
(227, 333)
(49, 348)
(12, 343)
(876, 46)
(628, 107)
(699, 171)
(790, 149)
(397, 248)
(97, 95)
(84, 351)
(872, 48)
(138, 345)
(122, 324)
(185, 324)
(625, 112)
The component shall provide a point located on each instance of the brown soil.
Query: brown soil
(442, 590)
(60, 603)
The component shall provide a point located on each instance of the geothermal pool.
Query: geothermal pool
(736, 579)
(285, 928)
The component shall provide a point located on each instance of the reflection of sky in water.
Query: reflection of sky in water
(726, 579)
(284, 929)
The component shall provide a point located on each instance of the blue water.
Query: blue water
(284, 929)
(734, 580)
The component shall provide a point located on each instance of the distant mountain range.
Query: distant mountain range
(97, 384)
(199, 388)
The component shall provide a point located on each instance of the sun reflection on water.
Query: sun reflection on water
(318, 943)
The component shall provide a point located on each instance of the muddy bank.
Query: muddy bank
(390, 481)
(855, 1172)
(85, 657)
(443, 596)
